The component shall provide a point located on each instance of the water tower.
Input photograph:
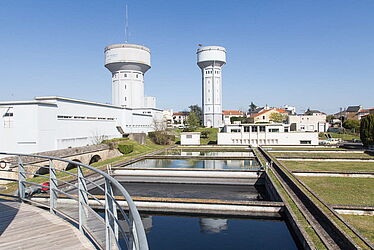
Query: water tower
(128, 63)
(211, 59)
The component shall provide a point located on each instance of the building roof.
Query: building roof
(265, 111)
(184, 113)
(354, 108)
(232, 112)
(313, 111)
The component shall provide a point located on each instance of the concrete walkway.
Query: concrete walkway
(24, 226)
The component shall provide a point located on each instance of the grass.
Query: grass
(299, 216)
(148, 147)
(343, 190)
(363, 223)
(323, 155)
(329, 166)
(340, 136)
(305, 148)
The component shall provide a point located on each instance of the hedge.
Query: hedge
(125, 149)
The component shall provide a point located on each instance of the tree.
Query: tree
(352, 124)
(252, 107)
(192, 121)
(367, 130)
(330, 117)
(198, 111)
(277, 117)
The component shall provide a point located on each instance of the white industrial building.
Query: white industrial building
(264, 134)
(309, 122)
(211, 59)
(50, 123)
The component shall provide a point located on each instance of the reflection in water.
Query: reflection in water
(207, 153)
(182, 232)
(195, 163)
(213, 225)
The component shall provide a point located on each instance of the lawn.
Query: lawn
(363, 223)
(343, 190)
(305, 148)
(322, 155)
(329, 166)
(149, 146)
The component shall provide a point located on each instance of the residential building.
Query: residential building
(227, 114)
(179, 118)
(265, 115)
(361, 113)
(310, 121)
(264, 134)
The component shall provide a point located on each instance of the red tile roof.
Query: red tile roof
(232, 112)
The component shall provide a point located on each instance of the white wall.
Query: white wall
(229, 137)
(190, 138)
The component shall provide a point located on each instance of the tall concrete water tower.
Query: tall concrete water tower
(211, 59)
(128, 63)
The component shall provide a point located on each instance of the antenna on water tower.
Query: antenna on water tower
(126, 26)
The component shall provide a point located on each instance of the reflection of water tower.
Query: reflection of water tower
(211, 59)
(211, 225)
(214, 164)
(128, 63)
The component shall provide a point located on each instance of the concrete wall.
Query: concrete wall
(190, 138)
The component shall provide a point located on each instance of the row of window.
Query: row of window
(211, 72)
(125, 75)
(84, 117)
(255, 141)
(139, 126)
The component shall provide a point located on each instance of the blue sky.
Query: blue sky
(317, 54)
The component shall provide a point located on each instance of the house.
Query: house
(264, 134)
(227, 114)
(362, 113)
(310, 121)
(264, 116)
(351, 111)
(179, 118)
(371, 111)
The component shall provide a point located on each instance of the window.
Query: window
(8, 114)
(262, 128)
(305, 142)
(254, 128)
(189, 136)
(274, 130)
(263, 117)
(246, 129)
(137, 75)
(125, 75)
(235, 130)
(286, 129)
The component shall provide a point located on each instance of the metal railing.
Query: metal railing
(67, 195)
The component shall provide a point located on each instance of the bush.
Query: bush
(161, 137)
(352, 124)
(367, 130)
(125, 148)
(205, 134)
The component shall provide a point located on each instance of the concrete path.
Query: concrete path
(24, 226)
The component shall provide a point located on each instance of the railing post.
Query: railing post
(110, 216)
(82, 198)
(21, 179)
(52, 188)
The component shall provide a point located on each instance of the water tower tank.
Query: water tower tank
(128, 63)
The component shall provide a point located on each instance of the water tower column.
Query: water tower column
(211, 59)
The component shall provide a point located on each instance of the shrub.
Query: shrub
(367, 130)
(161, 137)
(125, 148)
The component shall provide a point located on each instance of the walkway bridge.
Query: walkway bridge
(79, 226)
